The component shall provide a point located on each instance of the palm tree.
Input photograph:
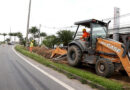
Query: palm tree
(65, 36)
(34, 31)
(10, 34)
(20, 36)
(4, 34)
(50, 41)
(14, 34)
(42, 34)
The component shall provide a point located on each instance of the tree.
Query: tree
(20, 36)
(34, 31)
(14, 34)
(50, 41)
(65, 36)
(10, 34)
(23, 41)
(4, 34)
(8, 40)
(42, 34)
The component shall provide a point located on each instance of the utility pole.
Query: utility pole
(116, 23)
(28, 20)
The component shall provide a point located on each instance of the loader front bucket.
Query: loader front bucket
(58, 51)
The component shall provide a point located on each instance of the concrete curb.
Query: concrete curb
(79, 78)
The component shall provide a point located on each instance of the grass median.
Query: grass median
(108, 84)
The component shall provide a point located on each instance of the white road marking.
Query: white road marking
(45, 73)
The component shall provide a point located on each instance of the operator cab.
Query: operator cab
(97, 29)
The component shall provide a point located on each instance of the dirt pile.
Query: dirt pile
(49, 53)
(43, 51)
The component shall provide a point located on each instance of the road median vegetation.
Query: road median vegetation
(108, 84)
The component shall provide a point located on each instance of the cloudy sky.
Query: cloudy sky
(55, 13)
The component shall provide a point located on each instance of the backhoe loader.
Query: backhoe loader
(105, 54)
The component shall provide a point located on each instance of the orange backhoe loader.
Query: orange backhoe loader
(58, 51)
(98, 50)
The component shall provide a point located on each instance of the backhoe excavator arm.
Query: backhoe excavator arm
(116, 47)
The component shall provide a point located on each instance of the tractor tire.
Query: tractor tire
(104, 67)
(74, 56)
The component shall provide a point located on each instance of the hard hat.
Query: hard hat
(84, 30)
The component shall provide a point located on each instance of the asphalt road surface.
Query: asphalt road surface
(18, 72)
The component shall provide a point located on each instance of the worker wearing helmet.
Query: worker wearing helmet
(85, 35)
(31, 45)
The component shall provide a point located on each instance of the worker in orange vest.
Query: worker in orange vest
(31, 46)
(85, 35)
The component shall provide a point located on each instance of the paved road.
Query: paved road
(17, 74)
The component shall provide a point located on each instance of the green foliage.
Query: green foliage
(19, 35)
(23, 41)
(4, 34)
(35, 43)
(65, 36)
(50, 41)
(14, 34)
(8, 39)
(108, 84)
(43, 34)
(34, 31)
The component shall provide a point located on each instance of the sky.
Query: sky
(55, 13)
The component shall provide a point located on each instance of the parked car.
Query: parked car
(10, 43)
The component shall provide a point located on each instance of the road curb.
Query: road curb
(79, 78)
(82, 79)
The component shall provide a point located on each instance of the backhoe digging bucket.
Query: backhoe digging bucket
(126, 64)
(58, 51)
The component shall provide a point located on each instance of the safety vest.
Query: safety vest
(31, 44)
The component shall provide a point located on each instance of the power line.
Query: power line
(111, 18)
(73, 26)
(59, 27)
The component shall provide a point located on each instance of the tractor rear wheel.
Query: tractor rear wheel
(74, 55)
(104, 67)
